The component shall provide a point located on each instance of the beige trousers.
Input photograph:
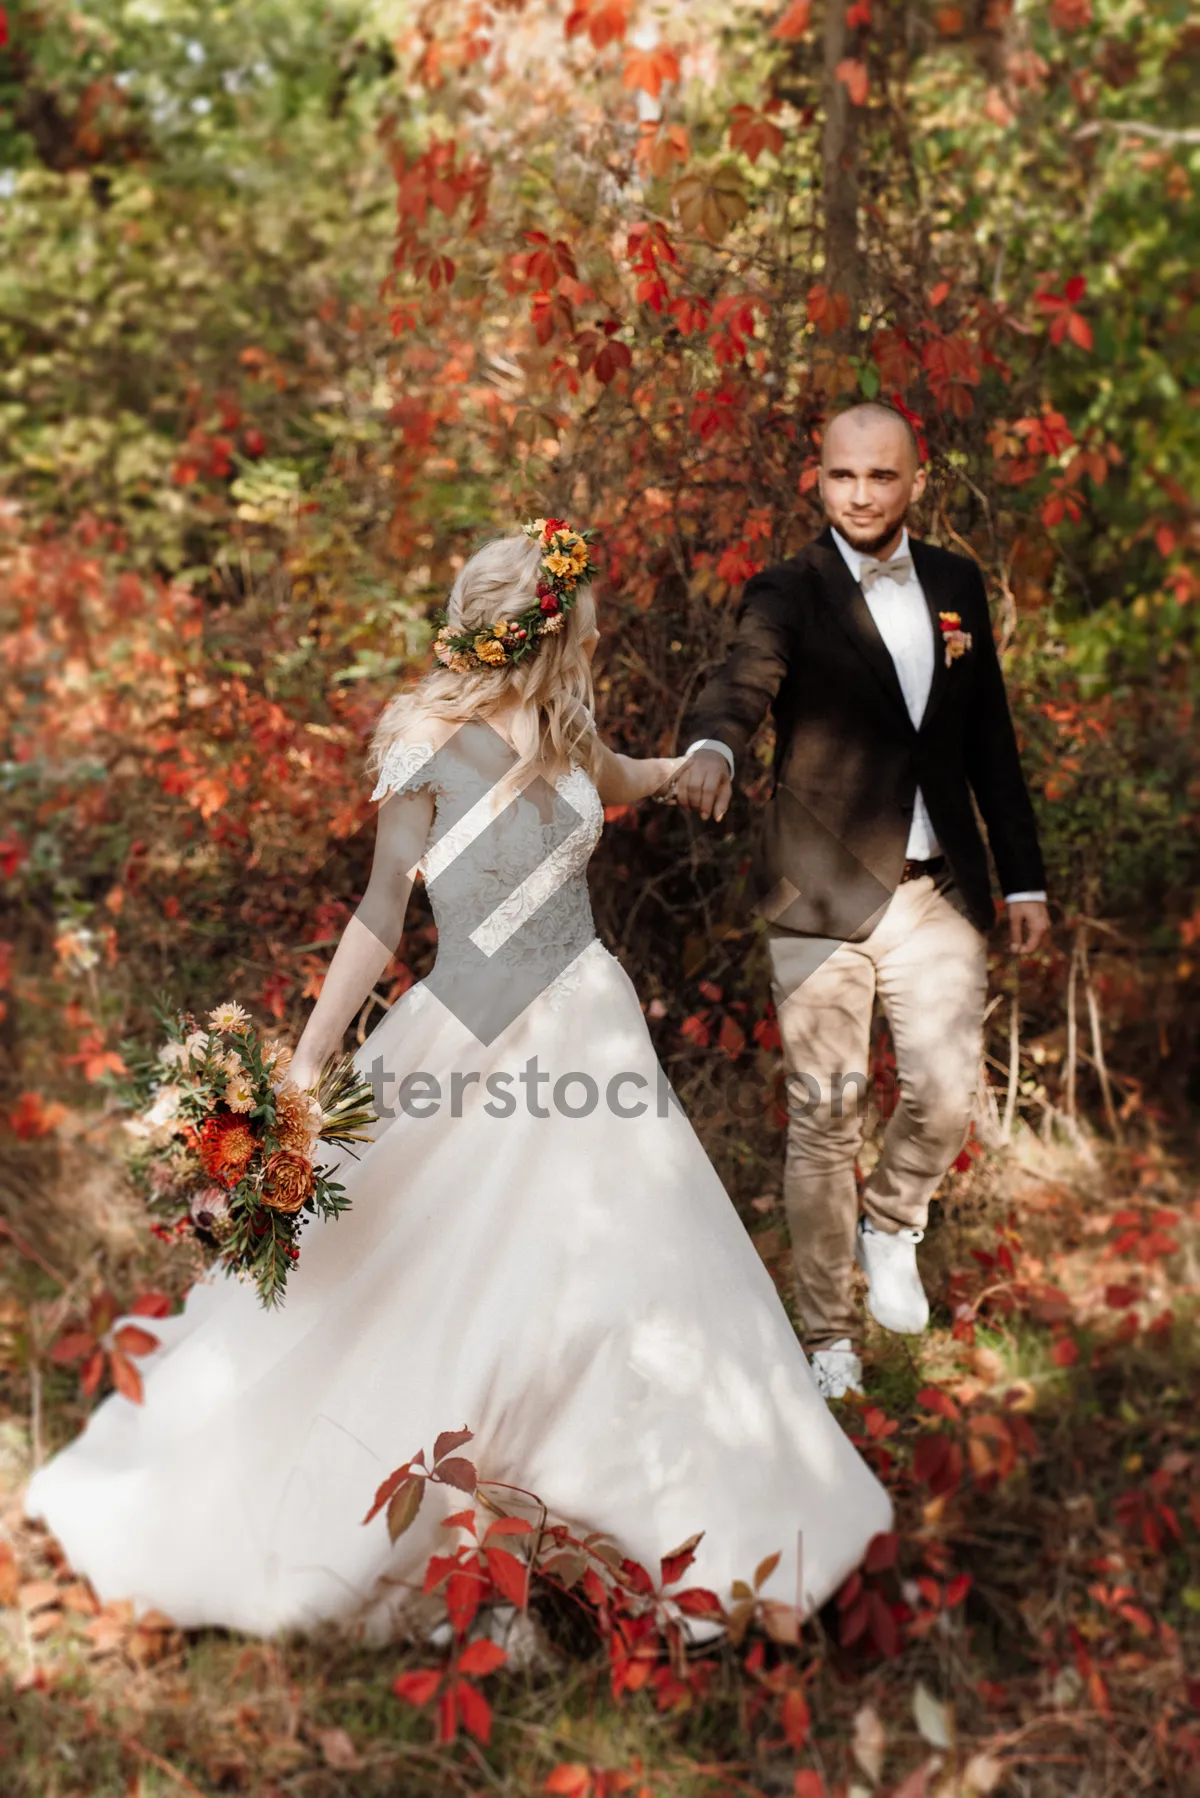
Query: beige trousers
(928, 965)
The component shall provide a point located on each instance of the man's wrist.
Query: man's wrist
(722, 749)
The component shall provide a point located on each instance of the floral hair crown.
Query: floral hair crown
(565, 563)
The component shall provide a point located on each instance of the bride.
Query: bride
(538, 1248)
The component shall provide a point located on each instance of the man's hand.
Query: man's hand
(1028, 925)
(704, 785)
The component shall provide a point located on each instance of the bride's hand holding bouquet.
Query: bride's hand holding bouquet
(232, 1129)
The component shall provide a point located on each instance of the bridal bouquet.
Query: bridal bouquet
(230, 1145)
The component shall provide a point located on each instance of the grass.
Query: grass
(1068, 1665)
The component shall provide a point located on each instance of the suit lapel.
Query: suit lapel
(850, 608)
(936, 600)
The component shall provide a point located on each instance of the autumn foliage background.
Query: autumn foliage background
(298, 304)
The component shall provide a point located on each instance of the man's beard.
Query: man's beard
(871, 546)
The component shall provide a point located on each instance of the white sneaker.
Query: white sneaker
(837, 1370)
(895, 1296)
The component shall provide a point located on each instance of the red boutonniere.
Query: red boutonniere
(956, 639)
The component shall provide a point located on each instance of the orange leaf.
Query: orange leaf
(794, 22)
(795, 1718)
(126, 1378)
(132, 1341)
(809, 1784)
(570, 1779)
(648, 69)
(852, 73)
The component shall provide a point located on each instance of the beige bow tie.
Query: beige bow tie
(899, 568)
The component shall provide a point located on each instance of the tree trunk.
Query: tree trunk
(839, 160)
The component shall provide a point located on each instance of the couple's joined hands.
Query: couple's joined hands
(703, 784)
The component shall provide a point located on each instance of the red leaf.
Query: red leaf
(481, 1658)
(937, 1463)
(809, 1784)
(612, 357)
(151, 1304)
(133, 1341)
(957, 1590)
(384, 1492)
(419, 1687)
(460, 1520)
(126, 1378)
(882, 1551)
(92, 1371)
(448, 1441)
(794, 22)
(508, 1526)
(464, 1592)
(1065, 1352)
(456, 1472)
(853, 1622)
(448, 1714)
(852, 72)
(1119, 1298)
(795, 1718)
(698, 1602)
(72, 1347)
(475, 1712)
(848, 1593)
(509, 1574)
(732, 1038)
(934, 1399)
(884, 1631)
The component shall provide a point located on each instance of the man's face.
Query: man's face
(869, 477)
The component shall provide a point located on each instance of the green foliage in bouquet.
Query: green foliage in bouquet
(230, 1145)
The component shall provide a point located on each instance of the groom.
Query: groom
(874, 654)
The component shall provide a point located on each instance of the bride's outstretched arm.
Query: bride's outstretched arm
(370, 938)
(624, 779)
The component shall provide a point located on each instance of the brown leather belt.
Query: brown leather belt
(917, 870)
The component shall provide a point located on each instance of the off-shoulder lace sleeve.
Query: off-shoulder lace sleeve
(402, 767)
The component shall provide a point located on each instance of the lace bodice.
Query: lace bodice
(506, 876)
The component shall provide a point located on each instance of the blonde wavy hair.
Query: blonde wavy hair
(551, 688)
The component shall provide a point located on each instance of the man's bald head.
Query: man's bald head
(870, 473)
(868, 414)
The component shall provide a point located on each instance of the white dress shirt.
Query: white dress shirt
(902, 619)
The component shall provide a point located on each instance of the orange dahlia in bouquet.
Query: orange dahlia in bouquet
(229, 1147)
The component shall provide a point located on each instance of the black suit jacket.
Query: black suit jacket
(848, 759)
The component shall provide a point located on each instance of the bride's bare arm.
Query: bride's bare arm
(370, 938)
(624, 779)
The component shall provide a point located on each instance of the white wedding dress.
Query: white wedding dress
(577, 1290)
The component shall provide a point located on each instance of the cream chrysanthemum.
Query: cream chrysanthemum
(173, 1055)
(229, 1016)
(239, 1095)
